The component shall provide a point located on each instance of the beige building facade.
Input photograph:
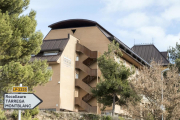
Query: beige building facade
(71, 49)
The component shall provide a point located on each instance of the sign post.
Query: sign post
(19, 115)
(21, 101)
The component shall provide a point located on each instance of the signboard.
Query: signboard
(17, 89)
(21, 101)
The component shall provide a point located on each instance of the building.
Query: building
(71, 49)
(149, 52)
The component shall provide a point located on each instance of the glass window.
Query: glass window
(77, 76)
(77, 58)
(50, 53)
(50, 68)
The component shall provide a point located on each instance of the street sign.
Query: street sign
(162, 107)
(17, 89)
(21, 101)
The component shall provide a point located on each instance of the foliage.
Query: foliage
(15, 114)
(32, 112)
(149, 85)
(19, 40)
(174, 55)
(90, 117)
(2, 115)
(114, 87)
(106, 118)
(28, 117)
(35, 119)
(121, 118)
(95, 117)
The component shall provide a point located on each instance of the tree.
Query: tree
(149, 85)
(174, 55)
(114, 86)
(19, 40)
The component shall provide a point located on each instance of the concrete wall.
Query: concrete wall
(67, 75)
(50, 92)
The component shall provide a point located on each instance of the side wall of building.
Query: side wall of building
(50, 92)
(67, 75)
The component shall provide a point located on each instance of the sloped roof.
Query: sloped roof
(73, 23)
(51, 45)
(165, 54)
(150, 52)
(50, 58)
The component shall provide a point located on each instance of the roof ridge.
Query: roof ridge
(161, 54)
(56, 39)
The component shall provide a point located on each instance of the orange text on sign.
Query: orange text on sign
(20, 89)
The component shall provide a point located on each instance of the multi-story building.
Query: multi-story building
(149, 53)
(71, 49)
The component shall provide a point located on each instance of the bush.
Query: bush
(2, 115)
(90, 117)
(32, 112)
(35, 119)
(26, 118)
(15, 114)
(120, 118)
(106, 118)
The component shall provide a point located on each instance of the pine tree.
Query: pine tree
(114, 87)
(174, 55)
(18, 41)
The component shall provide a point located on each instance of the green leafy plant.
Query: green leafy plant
(2, 115)
(32, 112)
(121, 118)
(90, 117)
(15, 114)
(106, 118)
(19, 40)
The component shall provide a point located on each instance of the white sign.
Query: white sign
(21, 101)
(162, 107)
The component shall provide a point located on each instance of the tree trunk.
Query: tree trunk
(113, 105)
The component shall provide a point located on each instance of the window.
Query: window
(76, 76)
(50, 68)
(50, 53)
(77, 58)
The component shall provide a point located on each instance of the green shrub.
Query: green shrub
(2, 115)
(27, 113)
(35, 119)
(26, 118)
(90, 117)
(106, 118)
(32, 112)
(15, 114)
(120, 118)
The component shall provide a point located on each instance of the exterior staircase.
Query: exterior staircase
(91, 75)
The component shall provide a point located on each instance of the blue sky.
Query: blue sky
(129, 20)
